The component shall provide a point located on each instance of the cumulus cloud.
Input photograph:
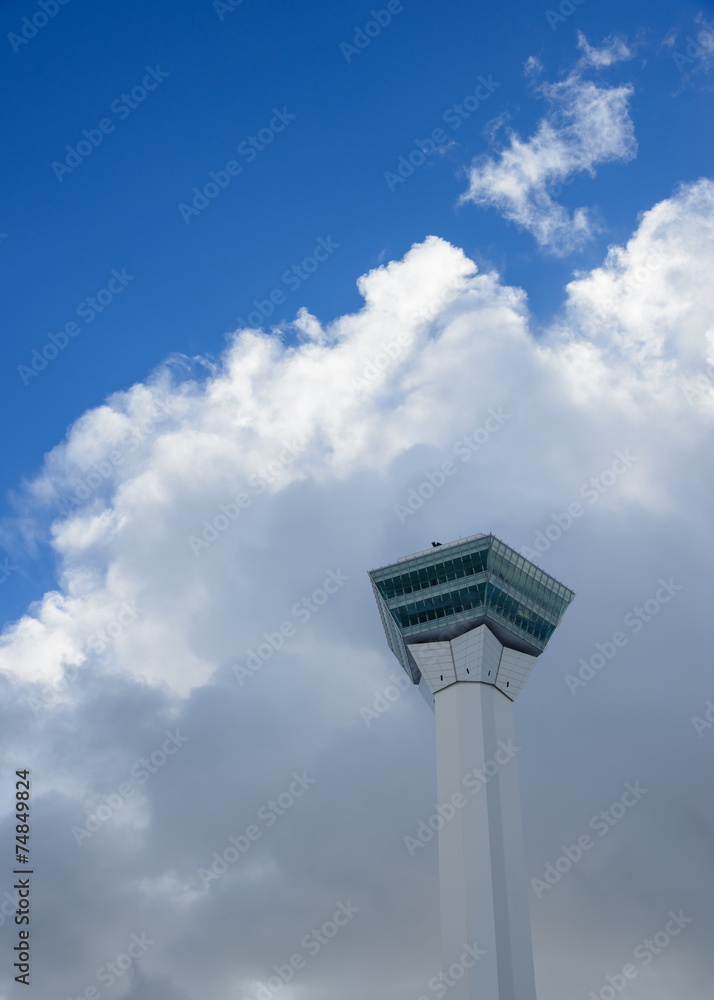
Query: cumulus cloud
(669, 325)
(586, 125)
(196, 515)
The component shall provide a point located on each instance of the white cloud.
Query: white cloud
(586, 125)
(362, 427)
(614, 49)
(651, 301)
(277, 421)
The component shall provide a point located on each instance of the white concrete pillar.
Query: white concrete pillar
(484, 888)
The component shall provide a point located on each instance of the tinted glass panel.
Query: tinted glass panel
(439, 606)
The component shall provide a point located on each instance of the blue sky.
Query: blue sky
(323, 176)
(567, 281)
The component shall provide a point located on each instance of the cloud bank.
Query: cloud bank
(196, 521)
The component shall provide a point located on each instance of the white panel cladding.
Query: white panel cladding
(435, 662)
(513, 672)
(476, 655)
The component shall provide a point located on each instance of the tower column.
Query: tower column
(484, 895)
(467, 621)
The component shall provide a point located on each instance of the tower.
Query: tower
(467, 621)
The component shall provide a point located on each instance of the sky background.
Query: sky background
(177, 486)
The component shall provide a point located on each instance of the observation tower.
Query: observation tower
(467, 621)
